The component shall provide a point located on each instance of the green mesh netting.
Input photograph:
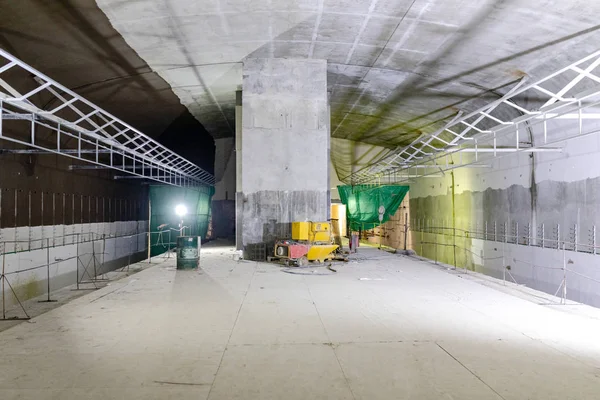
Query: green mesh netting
(363, 202)
(164, 199)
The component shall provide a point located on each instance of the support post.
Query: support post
(103, 253)
(504, 263)
(47, 273)
(495, 231)
(486, 231)
(64, 223)
(29, 219)
(421, 242)
(4, 280)
(169, 245)
(454, 223)
(16, 244)
(128, 255)
(594, 239)
(94, 258)
(3, 287)
(543, 235)
(149, 229)
(564, 291)
(405, 229)
(77, 255)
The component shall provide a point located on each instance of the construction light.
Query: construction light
(181, 210)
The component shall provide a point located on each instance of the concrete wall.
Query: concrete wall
(223, 219)
(223, 201)
(499, 215)
(42, 182)
(224, 169)
(334, 182)
(349, 157)
(98, 247)
(239, 195)
(285, 138)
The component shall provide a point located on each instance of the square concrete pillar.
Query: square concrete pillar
(285, 147)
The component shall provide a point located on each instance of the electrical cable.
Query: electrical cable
(290, 271)
(297, 270)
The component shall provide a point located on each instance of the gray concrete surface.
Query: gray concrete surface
(382, 327)
(223, 201)
(395, 66)
(225, 169)
(239, 195)
(74, 43)
(554, 191)
(285, 154)
(75, 253)
(39, 305)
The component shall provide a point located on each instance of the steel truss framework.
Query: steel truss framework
(467, 140)
(69, 125)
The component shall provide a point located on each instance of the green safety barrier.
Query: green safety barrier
(364, 201)
(163, 200)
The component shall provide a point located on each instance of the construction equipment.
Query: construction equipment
(311, 241)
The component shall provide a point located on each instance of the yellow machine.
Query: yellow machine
(311, 241)
(311, 231)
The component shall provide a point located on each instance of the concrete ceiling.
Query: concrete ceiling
(396, 67)
(73, 42)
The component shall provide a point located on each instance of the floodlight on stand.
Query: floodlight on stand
(181, 210)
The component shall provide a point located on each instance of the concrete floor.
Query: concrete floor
(38, 305)
(384, 327)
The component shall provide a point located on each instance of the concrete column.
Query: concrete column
(239, 196)
(328, 155)
(223, 201)
(285, 156)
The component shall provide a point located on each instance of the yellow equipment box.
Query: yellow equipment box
(311, 231)
(320, 232)
(300, 230)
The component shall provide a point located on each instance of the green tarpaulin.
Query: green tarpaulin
(363, 202)
(164, 199)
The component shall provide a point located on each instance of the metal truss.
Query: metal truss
(54, 119)
(467, 140)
